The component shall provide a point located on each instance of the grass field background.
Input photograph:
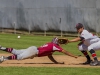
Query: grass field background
(48, 71)
(11, 40)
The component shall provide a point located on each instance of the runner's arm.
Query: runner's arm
(53, 60)
(68, 53)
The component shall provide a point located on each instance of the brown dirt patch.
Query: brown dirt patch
(45, 62)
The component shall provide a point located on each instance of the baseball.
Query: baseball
(18, 37)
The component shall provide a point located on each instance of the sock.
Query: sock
(93, 54)
(8, 49)
(13, 57)
(86, 55)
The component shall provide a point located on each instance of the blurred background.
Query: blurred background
(46, 16)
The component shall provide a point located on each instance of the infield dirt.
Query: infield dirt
(45, 62)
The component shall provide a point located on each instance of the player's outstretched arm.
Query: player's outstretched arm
(68, 53)
(75, 40)
(53, 60)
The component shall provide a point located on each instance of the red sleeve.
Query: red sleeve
(57, 48)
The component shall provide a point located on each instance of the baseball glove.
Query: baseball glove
(62, 41)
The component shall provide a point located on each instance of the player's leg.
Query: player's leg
(12, 57)
(6, 49)
(83, 49)
(15, 55)
(30, 52)
(91, 49)
(17, 52)
(12, 50)
(85, 53)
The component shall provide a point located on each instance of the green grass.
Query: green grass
(11, 40)
(48, 71)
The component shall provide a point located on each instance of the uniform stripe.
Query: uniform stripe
(9, 49)
(13, 57)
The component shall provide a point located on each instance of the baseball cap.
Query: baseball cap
(79, 25)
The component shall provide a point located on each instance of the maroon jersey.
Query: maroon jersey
(48, 49)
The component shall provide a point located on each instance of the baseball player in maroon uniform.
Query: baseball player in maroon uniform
(33, 51)
(88, 42)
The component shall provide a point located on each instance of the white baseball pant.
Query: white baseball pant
(25, 53)
(94, 46)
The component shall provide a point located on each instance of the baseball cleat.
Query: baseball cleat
(2, 58)
(2, 48)
(94, 63)
(87, 62)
